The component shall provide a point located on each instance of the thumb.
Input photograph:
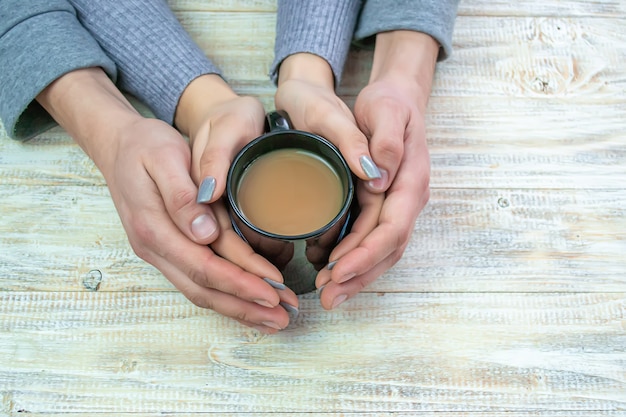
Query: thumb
(179, 192)
(386, 129)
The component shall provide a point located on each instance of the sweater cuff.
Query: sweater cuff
(432, 17)
(37, 49)
(155, 56)
(320, 28)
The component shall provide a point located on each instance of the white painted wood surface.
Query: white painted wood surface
(510, 299)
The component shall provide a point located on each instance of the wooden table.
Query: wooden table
(509, 301)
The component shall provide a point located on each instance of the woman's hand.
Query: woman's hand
(384, 226)
(153, 192)
(389, 115)
(218, 123)
(306, 92)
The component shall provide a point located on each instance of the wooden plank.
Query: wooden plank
(563, 9)
(574, 59)
(246, 6)
(537, 413)
(147, 353)
(568, 8)
(474, 143)
(540, 57)
(241, 44)
(63, 238)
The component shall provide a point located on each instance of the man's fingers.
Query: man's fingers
(401, 206)
(177, 190)
(246, 312)
(333, 294)
(217, 142)
(233, 248)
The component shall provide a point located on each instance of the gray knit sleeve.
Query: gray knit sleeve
(39, 42)
(320, 27)
(156, 58)
(433, 17)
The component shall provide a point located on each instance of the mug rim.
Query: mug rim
(347, 203)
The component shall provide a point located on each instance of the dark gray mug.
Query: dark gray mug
(298, 257)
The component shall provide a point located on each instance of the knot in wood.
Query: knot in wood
(92, 280)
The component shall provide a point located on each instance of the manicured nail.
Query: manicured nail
(331, 265)
(340, 299)
(271, 324)
(291, 310)
(275, 284)
(346, 277)
(261, 329)
(263, 303)
(203, 227)
(369, 167)
(207, 188)
(378, 184)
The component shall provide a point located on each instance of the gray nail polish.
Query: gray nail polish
(369, 167)
(291, 310)
(275, 284)
(331, 265)
(207, 188)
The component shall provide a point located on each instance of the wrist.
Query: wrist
(199, 98)
(406, 55)
(91, 109)
(308, 68)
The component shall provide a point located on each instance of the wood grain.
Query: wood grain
(474, 143)
(510, 300)
(519, 79)
(154, 352)
(567, 8)
(465, 240)
(535, 413)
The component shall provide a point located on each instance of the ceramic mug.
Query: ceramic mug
(299, 256)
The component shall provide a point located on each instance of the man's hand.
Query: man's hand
(146, 164)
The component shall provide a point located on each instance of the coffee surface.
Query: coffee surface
(290, 192)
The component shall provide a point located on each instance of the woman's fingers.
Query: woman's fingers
(317, 109)
(218, 140)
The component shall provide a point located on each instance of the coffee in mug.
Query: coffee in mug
(291, 198)
(290, 192)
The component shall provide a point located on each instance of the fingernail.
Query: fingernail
(203, 227)
(346, 277)
(379, 183)
(261, 329)
(291, 310)
(263, 303)
(331, 265)
(272, 325)
(207, 188)
(369, 167)
(340, 299)
(275, 284)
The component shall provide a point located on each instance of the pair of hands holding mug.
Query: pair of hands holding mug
(387, 127)
(153, 176)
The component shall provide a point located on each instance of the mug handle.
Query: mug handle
(277, 120)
